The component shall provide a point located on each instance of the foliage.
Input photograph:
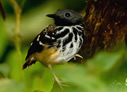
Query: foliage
(105, 72)
(2, 37)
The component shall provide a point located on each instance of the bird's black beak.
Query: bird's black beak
(51, 15)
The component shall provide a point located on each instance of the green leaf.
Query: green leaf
(97, 75)
(4, 70)
(77, 79)
(47, 80)
(3, 37)
(105, 61)
(7, 85)
(15, 66)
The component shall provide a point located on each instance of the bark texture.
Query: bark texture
(2, 11)
(105, 26)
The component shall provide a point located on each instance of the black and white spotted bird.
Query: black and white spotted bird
(59, 42)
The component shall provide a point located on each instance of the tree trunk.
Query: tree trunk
(105, 26)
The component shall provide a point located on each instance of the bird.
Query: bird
(59, 42)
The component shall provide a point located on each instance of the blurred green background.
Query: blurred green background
(105, 72)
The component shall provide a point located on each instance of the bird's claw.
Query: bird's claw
(60, 83)
(77, 55)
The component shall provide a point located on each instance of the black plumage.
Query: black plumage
(59, 42)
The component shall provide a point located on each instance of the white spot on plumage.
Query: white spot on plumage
(41, 43)
(38, 37)
(79, 27)
(65, 27)
(52, 38)
(31, 44)
(47, 36)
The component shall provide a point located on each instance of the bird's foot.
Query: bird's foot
(60, 83)
(77, 55)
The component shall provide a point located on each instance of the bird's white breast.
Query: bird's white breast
(72, 48)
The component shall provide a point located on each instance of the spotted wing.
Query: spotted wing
(46, 37)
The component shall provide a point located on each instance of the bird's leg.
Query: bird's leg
(74, 58)
(55, 77)
(77, 55)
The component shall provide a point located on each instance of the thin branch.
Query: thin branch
(18, 12)
(17, 37)
(2, 11)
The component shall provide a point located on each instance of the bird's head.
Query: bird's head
(66, 17)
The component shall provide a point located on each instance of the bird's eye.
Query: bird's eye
(67, 14)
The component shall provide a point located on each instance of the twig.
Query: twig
(2, 11)
(17, 36)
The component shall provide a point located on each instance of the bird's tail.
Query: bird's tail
(28, 63)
